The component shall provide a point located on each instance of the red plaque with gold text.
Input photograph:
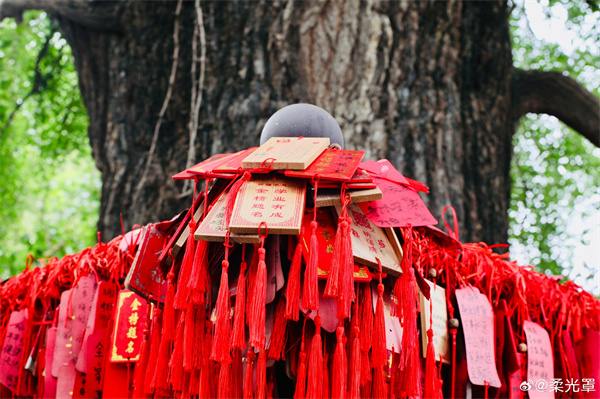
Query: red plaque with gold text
(130, 320)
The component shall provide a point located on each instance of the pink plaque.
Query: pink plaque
(478, 327)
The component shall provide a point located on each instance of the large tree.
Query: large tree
(429, 85)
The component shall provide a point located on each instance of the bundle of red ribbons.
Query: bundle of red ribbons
(299, 271)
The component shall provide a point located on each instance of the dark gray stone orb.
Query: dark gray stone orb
(302, 120)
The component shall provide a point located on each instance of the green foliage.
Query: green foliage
(555, 171)
(49, 187)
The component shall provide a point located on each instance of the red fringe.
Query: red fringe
(176, 362)
(248, 389)
(261, 375)
(300, 392)
(161, 374)
(185, 272)
(379, 390)
(293, 285)
(310, 294)
(139, 375)
(325, 376)
(238, 336)
(379, 345)
(224, 389)
(366, 334)
(237, 374)
(199, 283)
(220, 348)
(355, 366)
(346, 285)
(314, 389)
(338, 381)
(256, 318)
(431, 374)
(278, 332)
(333, 279)
(155, 343)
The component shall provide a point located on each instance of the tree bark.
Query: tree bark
(427, 85)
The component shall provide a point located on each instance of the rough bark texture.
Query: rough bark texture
(424, 84)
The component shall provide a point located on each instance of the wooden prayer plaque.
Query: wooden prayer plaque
(440, 322)
(128, 334)
(370, 242)
(212, 229)
(331, 197)
(278, 201)
(295, 153)
(332, 164)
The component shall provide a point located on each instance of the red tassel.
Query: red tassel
(185, 272)
(379, 390)
(238, 336)
(338, 381)
(248, 391)
(220, 347)
(199, 284)
(325, 376)
(161, 374)
(142, 364)
(310, 294)
(205, 380)
(431, 375)
(293, 284)
(315, 364)
(176, 362)
(237, 371)
(261, 375)
(278, 332)
(346, 284)
(155, 343)
(256, 318)
(301, 377)
(224, 390)
(366, 334)
(355, 360)
(379, 345)
(333, 279)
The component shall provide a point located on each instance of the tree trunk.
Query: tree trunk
(424, 84)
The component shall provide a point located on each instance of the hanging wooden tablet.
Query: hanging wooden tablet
(130, 319)
(370, 242)
(295, 153)
(477, 321)
(331, 196)
(208, 165)
(145, 277)
(540, 366)
(278, 201)
(332, 164)
(12, 348)
(212, 228)
(440, 322)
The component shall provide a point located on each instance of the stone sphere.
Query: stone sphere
(305, 120)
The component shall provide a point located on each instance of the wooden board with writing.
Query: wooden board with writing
(331, 197)
(206, 167)
(477, 320)
(234, 164)
(12, 349)
(370, 242)
(212, 229)
(128, 334)
(440, 322)
(295, 153)
(278, 201)
(540, 366)
(332, 164)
